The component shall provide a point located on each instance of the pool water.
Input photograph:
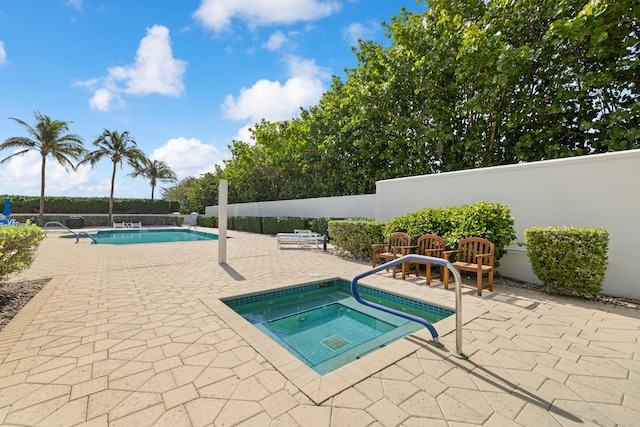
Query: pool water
(325, 327)
(126, 237)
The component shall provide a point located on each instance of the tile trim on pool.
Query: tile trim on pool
(318, 387)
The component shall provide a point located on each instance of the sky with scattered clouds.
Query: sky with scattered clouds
(185, 78)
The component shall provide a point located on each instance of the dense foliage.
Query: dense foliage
(568, 260)
(90, 205)
(492, 221)
(356, 236)
(466, 84)
(18, 245)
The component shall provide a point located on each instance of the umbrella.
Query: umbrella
(7, 207)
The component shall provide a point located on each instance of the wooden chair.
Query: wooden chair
(474, 254)
(390, 250)
(428, 245)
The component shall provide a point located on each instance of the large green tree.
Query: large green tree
(50, 138)
(464, 84)
(155, 171)
(117, 147)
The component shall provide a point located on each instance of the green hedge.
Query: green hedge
(90, 205)
(283, 224)
(356, 236)
(568, 260)
(103, 220)
(208, 221)
(251, 224)
(492, 221)
(18, 245)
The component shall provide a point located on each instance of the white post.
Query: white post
(223, 190)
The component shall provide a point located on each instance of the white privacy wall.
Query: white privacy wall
(600, 190)
(324, 207)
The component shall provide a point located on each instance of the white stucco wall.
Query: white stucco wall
(322, 207)
(591, 191)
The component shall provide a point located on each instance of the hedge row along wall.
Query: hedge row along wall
(89, 205)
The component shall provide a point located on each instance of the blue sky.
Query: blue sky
(184, 77)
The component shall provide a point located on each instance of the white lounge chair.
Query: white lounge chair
(135, 224)
(299, 238)
(118, 225)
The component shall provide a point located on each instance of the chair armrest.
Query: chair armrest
(403, 249)
(447, 253)
(478, 256)
(427, 251)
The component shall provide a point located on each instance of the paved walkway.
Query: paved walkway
(121, 337)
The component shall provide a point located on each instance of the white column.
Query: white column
(223, 190)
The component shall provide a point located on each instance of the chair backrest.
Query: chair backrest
(472, 246)
(399, 239)
(431, 245)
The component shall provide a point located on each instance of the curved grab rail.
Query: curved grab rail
(421, 258)
(78, 235)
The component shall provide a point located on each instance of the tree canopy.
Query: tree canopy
(466, 84)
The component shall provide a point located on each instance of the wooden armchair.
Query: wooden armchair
(428, 245)
(390, 250)
(474, 254)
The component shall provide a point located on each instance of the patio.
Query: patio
(121, 337)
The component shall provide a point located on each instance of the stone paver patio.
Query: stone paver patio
(130, 336)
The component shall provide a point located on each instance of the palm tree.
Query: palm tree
(118, 147)
(50, 138)
(155, 171)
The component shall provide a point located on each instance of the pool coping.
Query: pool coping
(320, 388)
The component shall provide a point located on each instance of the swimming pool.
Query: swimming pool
(127, 237)
(325, 327)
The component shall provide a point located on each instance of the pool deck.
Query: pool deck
(131, 335)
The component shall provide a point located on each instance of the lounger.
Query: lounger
(136, 224)
(118, 225)
(8, 222)
(299, 238)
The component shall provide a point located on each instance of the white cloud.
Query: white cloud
(189, 157)
(272, 100)
(357, 31)
(74, 3)
(155, 70)
(218, 14)
(21, 175)
(3, 53)
(276, 41)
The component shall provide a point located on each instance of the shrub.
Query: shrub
(491, 221)
(89, 205)
(283, 224)
(208, 221)
(355, 236)
(568, 260)
(17, 247)
(251, 224)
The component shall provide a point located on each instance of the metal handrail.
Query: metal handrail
(78, 235)
(423, 259)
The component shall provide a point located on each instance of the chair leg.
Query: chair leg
(446, 278)
(428, 274)
(490, 278)
(479, 274)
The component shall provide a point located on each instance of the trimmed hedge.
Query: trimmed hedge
(356, 236)
(283, 224)
(90, 205)
(103, 220)
(568, 260)
(251, 224)
(208, 221)
(492, 221)
(18, 245)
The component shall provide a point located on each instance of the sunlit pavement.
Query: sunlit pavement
(122, 336)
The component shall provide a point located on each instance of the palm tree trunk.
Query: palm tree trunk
(113, 183)
(41, 214)
(152, 189)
